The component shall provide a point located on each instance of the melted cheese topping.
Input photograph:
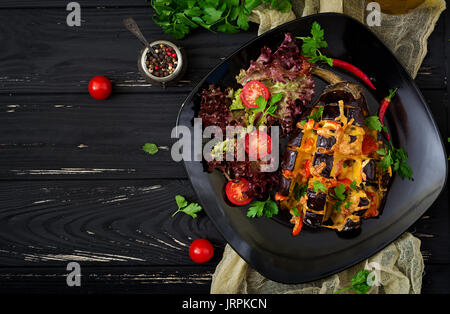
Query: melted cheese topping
(348, 166)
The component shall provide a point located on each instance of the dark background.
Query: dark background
(74, 182)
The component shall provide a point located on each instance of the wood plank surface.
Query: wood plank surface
(61, 136)
(111, 222)
(43, 55)
(74, 183)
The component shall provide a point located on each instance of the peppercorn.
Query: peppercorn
(164, 63)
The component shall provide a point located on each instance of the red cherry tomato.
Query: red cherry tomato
(201, 251)
(235, 191)
(100, 87)
(253, 90)
(258, 144)
(369, 145)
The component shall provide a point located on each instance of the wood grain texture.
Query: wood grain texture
(112, 222)
(32, 58)
(107, 280)
(432, 75)
(61, 136)
(43, 55)
(32, 4)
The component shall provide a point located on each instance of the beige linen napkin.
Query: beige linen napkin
(400, 265)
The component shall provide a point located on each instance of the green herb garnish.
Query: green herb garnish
(353, 185)
(296, 212)
(190, 209)
(150, 148)
(358, 283)
(373, 122)
(311, 45)
(317, 115)
(396, 158)
(339, 196)
(177, 18)
(266, 208)
(267, 107)
(299, 191)
(319, 186)
(339, 192)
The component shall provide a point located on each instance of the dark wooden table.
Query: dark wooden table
(75, 185)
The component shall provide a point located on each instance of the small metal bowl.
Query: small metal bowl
(169, 79)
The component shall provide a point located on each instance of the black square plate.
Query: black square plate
(267, 244)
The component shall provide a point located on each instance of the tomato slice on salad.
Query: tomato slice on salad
(258, 144)
(253, 90)
(235, 191)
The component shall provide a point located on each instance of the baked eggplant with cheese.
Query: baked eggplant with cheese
(330, 173)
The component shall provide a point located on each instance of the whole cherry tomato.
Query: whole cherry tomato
(235, 191)
(201, 251)
(100, 87)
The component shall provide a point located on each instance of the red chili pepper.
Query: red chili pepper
(383, 107)
(353, 69)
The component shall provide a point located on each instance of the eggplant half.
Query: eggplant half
(341, 184)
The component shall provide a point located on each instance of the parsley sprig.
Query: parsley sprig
(312, 45)
(266, 208)
(267, 107)
(339, 195)
(395, 157)
(374, 123)
(190, 209)
(358, 283)
(150, 148)
(319, 186)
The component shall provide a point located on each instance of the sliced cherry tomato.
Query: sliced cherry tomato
(258, 144)
(201, 251)
(100, 87)
(369, 145)
(235, 191)
(253, 90)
